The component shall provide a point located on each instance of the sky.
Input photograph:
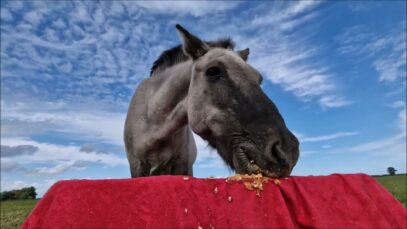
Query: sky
(335, 70)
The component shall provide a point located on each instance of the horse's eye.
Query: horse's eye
(214, 73)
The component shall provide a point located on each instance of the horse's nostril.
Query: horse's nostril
(280, 156)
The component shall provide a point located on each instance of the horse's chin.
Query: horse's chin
(243, 165)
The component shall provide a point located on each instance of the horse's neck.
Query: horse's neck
(167, 105)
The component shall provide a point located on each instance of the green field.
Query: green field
(13, 212)
(397, 185)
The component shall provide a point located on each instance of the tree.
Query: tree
(391, 170)
(21, 194)
(7, 195)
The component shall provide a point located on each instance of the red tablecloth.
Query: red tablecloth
(335, 201)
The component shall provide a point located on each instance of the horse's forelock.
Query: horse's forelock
(175, 55)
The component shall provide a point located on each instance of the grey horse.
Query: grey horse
(207, 88)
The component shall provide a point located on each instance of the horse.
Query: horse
(209, 89)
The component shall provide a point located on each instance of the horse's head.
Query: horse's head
(227, 107)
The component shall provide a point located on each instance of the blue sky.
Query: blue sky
(336, 71)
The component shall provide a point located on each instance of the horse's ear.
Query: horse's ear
(244, 54)
(191, 44)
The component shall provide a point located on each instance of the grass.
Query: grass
(14, 212)
(396, 185)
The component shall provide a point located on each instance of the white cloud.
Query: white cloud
(292, 24)
(326, 137)
(51, 170)
(6, 15)
(65, 67)
(393, 146)
(40, 187)
(302, 6)
(387, 50)
(80, 13)
(308, 153)
(390, 68)
(59, 24)
(197, 8)
(62, 157)
(87, 148)
(352, 40)
(74, 123)
(69, 119)
(94, 54)
(278, 15)
(18, 184)
(376, 154)
(15, 6)
(282, 51)
(116, 9)
(7, 151)
(51, 35)
(99, 16)
(398, 104)
(58, 168)
(333, 101)
(207, 157)
(293, 69)
(33, 17)
(9, 166)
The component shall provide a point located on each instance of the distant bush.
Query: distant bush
(20, 194)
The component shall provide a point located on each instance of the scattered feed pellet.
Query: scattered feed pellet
(252, 182)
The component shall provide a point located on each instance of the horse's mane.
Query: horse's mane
(175, 55)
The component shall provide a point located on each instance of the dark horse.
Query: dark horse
(207, 88)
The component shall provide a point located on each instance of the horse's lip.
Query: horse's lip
(244, 165)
